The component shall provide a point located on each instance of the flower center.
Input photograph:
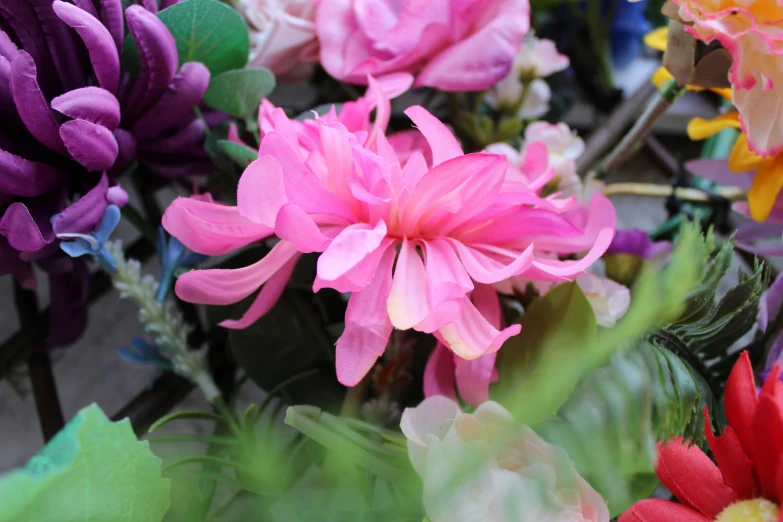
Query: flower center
(758, 510)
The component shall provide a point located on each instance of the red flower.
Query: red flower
(747, 483)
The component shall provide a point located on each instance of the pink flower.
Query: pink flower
(282, 35)
(536, 59)
(335, 186)
(750, 31)
(453, 45)
(485, 466)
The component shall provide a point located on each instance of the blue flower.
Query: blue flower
(173, 256)
(77, 245)
(145, 353)
(627, 31)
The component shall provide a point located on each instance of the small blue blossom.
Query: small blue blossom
(77, 245)
(173, 256)
(145, 353)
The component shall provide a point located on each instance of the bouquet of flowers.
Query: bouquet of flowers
(377, 217)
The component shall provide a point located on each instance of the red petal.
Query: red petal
(772, 386)
(768, 449)
(693, 477)
(657, 510)
(736, 466)
(741, 401)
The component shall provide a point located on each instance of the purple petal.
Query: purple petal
(150, 5)
(111, 16)
(7, 106)
(190, 135)
(20, 229)
(127, 149)
(92, 104)
(116, 195)
(91, 145)
(86, 5)
(100, 45)
(21, 177)
(158, 58)
(31, 104)
(63, 45)
(20, 17)
(770, 303)
(185, 92)
(81, 217)
(7, 46)
(632, 241)
(717, 171)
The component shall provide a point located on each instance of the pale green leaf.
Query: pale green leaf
(239, 92)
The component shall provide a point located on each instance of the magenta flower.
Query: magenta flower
(69, 114)
(410, 240)
(452, 45)
(638, 243)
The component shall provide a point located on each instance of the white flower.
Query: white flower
(485, 467)
(564, 147)
(610, 300)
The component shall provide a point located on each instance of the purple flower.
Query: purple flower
(636, 242)
(71, 118)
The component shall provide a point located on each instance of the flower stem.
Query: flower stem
(657, 106)
(665, 191)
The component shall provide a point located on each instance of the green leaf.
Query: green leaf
(570, 352)
(209, 32)
(94, 469)
(239, 92)
(185, 414)
(610, 425)
(240, 154)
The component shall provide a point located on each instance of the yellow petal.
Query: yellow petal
(766, 185)
(699, 128)
(657, 38)
(661, 76)
(742, 159)
(723, 93)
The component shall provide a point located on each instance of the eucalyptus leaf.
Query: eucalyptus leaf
(239, 92)
(93, 469)
(210, 32)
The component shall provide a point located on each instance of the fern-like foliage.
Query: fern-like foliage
(659, 386)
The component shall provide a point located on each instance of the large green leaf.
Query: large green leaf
(94, 469)
(239, 92)
(568, 347)
(610, 425)
(238, 153)
(210, 32)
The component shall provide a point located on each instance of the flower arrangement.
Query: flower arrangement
(380, 214)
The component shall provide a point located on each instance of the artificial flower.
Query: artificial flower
(69, 113)
(282, 36)
(750, 31)
(523, 88)
(451, 45)
(485, 466)
(629, 251)
(444, 226)
(609, 300)
(747, 483)
(94, 243)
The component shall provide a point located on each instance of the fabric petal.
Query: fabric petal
(657, 510)
(442, 142)
(261, 191)
(111, 16)
(434, 416)
(182, 95)
(367, 325)
(439, 373)
(768, 444)
(210, 228)
(267, 298)
(349, 249)
(765, 189)
(740, 400)
(220, 286)
(693, 478)
(31, 104)
(700, 128)
(294, 225)
(485, 268)
(21, 177)
(734, 463)
(90, 144)
(100, 45)
(82, 216)
(93, 104)
(21, 230)
(471, 335)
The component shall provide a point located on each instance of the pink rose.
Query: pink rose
(485, 466)
(453, 45)
(282, 35)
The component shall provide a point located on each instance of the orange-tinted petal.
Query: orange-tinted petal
(765, 188)
(700, 128)
(742, 159)
(693, 478)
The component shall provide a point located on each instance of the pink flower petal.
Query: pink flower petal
(439, 373)
(350, 260)
(442, 142)
(261, 191)
(367, 325)
(487, 269)
(267, 298)
(294, 225)
(209, 228)
(220, 286)
(472, 336)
